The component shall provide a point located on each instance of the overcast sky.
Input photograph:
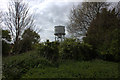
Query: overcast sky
(48, 13)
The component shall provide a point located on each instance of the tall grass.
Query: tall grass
(77, 69)
(32, 65)
(16, 66)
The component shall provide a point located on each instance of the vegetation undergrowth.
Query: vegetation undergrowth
(15, 66)
(76, 69)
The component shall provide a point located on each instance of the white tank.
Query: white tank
(59, 30)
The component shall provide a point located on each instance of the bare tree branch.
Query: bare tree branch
(82, 15)
(18, 19)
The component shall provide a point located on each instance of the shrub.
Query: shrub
(70, 49)
(88, 51)
(5, 48)
(110, 50)
(29, 41)
(16, 66)
(49, 50)
(67, 49)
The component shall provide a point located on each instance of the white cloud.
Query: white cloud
(3, 5)
(48, 13)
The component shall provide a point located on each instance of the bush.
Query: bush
(29, 41)
(5, 48)
(49, 50)
(25, 45)
(67, 49)
(110, 50)
(88, 51)
(70, 49)
(16, 66)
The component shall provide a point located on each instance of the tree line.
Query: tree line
(98, 20)
(101, 24)
(102, 39)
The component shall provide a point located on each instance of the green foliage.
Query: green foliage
(70, 49)
(6, 35)
(76, 69)
(35, 46)
(30, 39)
(103, 34)
(67, 49)
(32, 35)
(111, 48)
(49, 50)
(6, 46)
(81, 16)
(32, 65)
(16, 66)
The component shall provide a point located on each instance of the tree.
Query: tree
(103, 33)
(18, 19)
(6, 38)
(0, 17)
(30, 38)
(118, 9)
(6, 35)
(82, 15)
(0, 32)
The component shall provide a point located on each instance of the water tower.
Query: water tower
(59, 33)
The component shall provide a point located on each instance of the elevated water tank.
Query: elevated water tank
(59, 30)
(59, 33)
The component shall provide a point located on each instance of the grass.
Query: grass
(16, 66)
(31, 65)
(76, 69)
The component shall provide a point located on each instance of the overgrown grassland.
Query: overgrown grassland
(76, 69)
(16, 66)
(31, 65)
